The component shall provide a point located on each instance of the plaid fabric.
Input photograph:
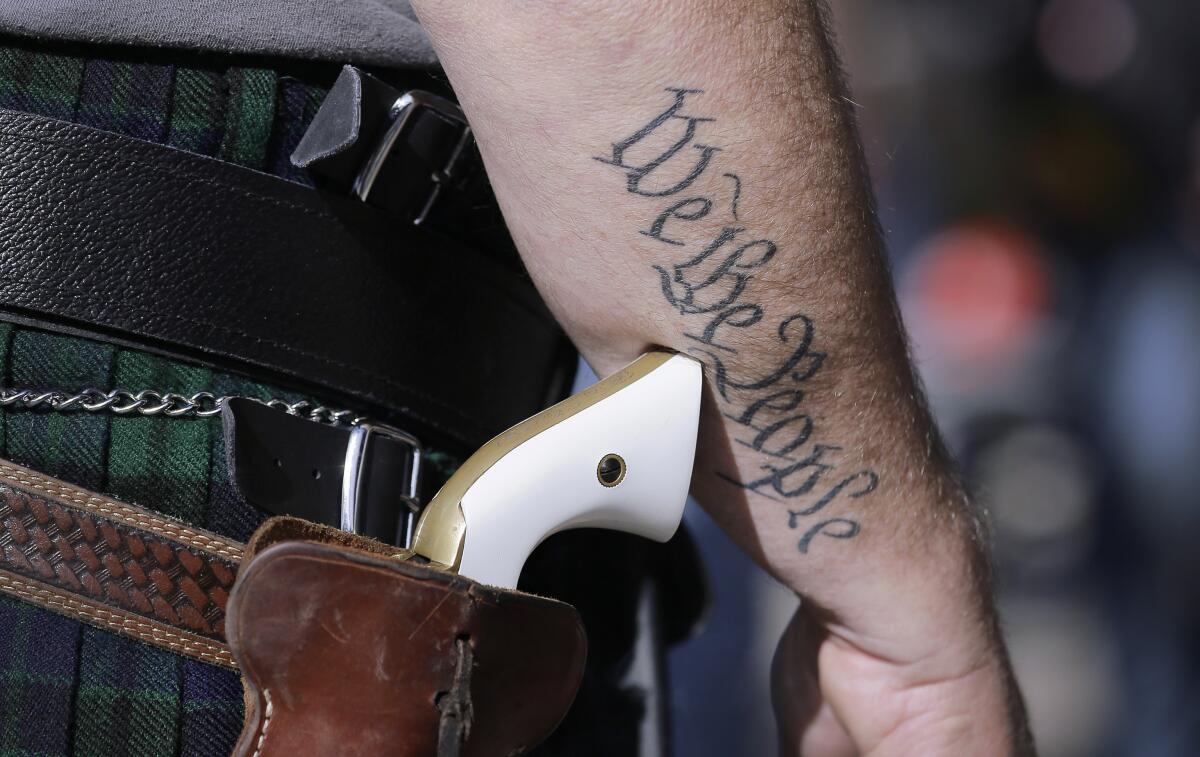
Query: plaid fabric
(249, 116)
(68, 688)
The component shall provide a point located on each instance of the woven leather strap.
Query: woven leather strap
(114, 565)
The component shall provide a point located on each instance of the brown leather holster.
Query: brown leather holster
(347, 646)
(346, 649)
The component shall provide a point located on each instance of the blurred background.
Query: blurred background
(1037, 170)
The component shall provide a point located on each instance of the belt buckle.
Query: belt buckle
(355, 474)
(403, 113)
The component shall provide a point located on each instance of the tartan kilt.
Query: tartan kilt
(66, 687)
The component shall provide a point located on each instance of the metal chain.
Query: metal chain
(152, 403)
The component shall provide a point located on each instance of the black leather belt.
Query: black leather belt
(180, 254)
(363, 478)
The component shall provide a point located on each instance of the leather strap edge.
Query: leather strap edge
(115, 566)
(119, 621)
(130, 515)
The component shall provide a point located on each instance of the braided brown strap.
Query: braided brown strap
(114, 565)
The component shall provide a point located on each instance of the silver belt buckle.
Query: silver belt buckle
(402, 112)
(354, 474)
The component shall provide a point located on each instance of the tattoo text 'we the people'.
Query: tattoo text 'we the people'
(707, 278)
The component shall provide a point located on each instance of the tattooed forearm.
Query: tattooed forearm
(709, 279)
(736, 225)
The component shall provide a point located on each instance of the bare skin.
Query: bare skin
(686, 174)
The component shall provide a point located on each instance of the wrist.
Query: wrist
(972, 713)
(833, 695)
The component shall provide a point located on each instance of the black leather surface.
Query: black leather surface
(292, 466)
(201, 259)
(352, 124)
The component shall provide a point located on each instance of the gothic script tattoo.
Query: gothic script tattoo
(709, 279)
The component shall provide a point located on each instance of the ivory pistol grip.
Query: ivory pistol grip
(617, 455)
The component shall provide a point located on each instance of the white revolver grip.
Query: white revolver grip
(553, 477)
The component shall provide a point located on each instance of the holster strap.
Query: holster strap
(164, 250)
(114, 565)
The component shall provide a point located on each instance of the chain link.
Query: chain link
(152, 403)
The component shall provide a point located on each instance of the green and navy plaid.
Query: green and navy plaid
(253, 117)
(68, 688)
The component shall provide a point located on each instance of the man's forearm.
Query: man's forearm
(686, 174)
